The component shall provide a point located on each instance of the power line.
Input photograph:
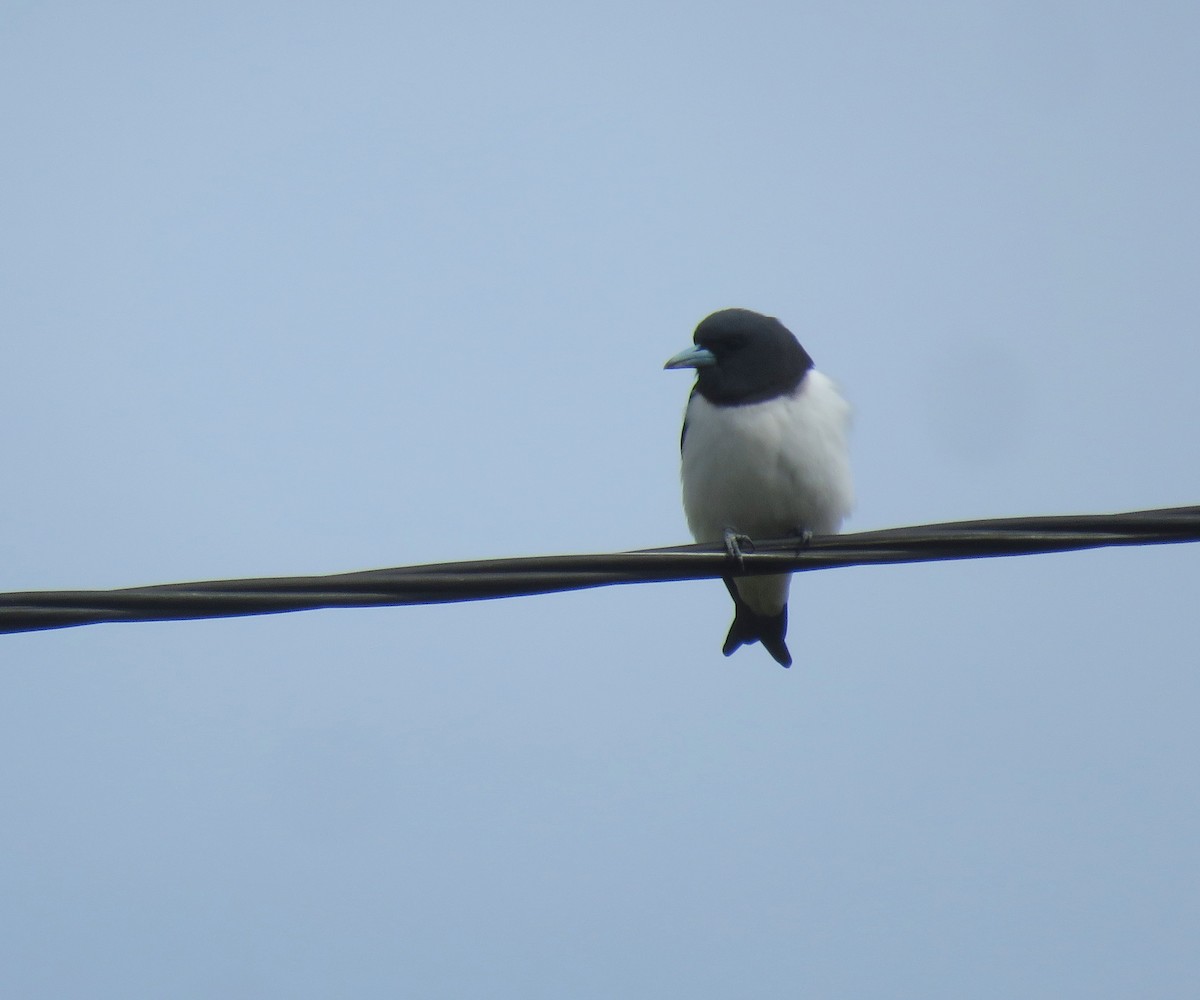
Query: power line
(491, 578)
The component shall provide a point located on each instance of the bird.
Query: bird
(763, 455)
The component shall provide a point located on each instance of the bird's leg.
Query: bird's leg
(805, 536)
(733, 546)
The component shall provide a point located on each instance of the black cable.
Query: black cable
(490, 578)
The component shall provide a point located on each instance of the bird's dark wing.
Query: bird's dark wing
(683, 432)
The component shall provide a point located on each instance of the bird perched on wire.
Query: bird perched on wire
(764, 456)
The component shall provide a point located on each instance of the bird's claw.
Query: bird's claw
(733, 546)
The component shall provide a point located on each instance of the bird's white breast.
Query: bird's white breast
(768, 469)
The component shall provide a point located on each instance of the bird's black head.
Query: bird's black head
(743, 357)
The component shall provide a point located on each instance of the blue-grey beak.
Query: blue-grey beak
(694, 357)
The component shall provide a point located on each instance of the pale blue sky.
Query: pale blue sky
(303, 288)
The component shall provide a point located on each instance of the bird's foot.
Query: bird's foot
(805, 539)
(733, 546)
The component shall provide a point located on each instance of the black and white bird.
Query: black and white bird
(764, 456)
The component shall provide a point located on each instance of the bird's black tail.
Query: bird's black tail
(749, 626)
